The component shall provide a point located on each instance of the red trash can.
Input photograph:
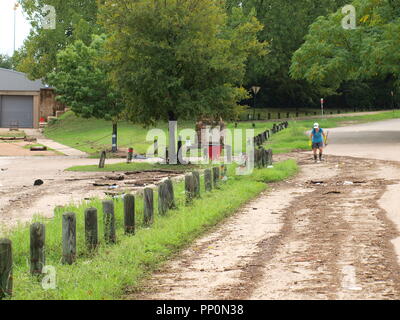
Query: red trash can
(214, 151)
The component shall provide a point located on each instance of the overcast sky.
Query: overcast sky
(7, 27)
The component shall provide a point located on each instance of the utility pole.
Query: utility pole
(16, 5)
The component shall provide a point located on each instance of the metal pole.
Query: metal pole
(254, 108)
(15, 24)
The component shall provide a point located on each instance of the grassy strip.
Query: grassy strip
(294, 138)
(107, 273)
(94, 135)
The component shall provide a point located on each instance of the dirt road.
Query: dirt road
(333, 232)
(20, 200)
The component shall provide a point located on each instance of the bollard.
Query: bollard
(208, 180)
(196, 180)
(129, 214)
(130, 155)
(37, 246)
(170, 192)
(6, 265)
(148, 201)
(109, 222)
(68, 238)
(216, 177)
(91, 228)
(189, 188)
(163, 199)
(102, 161)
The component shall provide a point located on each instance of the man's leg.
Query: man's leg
(315, 154)
(321, 150)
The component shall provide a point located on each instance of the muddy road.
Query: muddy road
(332, 232)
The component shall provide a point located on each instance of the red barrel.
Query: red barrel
(214, 151)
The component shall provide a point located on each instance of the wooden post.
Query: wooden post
(196, 178)
(102, 160)
(270, 157)
(69, 237)
(129, 214)
(189, 188)
(6, 264)
(163, 199)
(208, 180)
(148, 201)
(216, 177)
(109, 221)
(91, 228)
(37, 245)
(170, 192)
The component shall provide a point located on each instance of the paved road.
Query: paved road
(375, 140)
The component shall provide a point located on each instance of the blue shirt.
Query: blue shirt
(317, 136)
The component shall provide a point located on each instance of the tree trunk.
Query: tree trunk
(172, 152)
(115, 137)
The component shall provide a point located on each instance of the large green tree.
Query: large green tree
(179, 59)
(332, 56)
(285, 22)
(81, 81)
(75, 20)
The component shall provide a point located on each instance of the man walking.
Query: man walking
(317, 137)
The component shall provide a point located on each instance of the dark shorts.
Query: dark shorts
(317, 145)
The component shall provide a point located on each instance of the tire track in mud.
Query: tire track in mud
(301, 241)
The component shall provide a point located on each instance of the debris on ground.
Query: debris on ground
(38, 182)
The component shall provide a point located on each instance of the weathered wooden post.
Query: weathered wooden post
(170, 193)
(189, 188)
(208, 179)
(37, 246)
(270, 161)
(109, 222)
(148, 201)
(6, 264)
(129, 214)
(68, 237)
(102, 161)
(91, 228)
(156, 147)
(163, 199)
(216, 177)
(196, 180)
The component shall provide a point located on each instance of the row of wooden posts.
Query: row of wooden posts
(166, 201)
(266, 135)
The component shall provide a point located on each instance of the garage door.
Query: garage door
(16, 109)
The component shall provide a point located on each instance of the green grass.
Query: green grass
(108, 272)
(93, 135)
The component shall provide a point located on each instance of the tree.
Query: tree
(81, 82)
(75, 20)
(6, 62)
(285, 25)
(178, 59)
(333, 56)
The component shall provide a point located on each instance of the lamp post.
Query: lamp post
(16, 5)
(393, 104)
(255, 90)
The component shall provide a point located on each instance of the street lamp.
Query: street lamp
(255, 90)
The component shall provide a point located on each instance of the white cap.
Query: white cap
(316, 125)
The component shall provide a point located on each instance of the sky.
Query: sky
(7, 27)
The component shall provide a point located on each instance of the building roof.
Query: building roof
(11, 80)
